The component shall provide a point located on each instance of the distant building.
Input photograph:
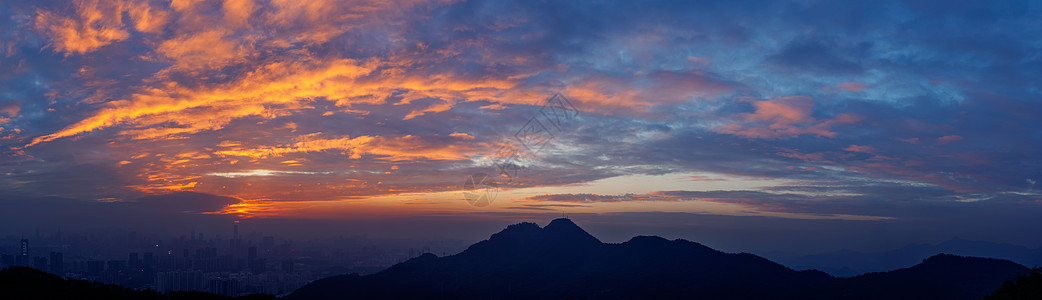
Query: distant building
(179, 281)
(116, 265)
(57, 263)
(95, 267)
(256, 265)
(224, 286)
(268, 243)
(133, 262)
(287, 266)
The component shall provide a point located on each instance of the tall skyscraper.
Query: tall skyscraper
(257, 265)
(133, 261)
(234, 243)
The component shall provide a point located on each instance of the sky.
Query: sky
(744, 124)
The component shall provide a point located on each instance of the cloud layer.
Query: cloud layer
(883, 110)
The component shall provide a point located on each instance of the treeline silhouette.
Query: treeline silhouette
(28, 283)
(1024, 286)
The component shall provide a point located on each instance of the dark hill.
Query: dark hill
(847, 263)
(942, 276)
(562, 261)
(28, 283)
(1024, 286)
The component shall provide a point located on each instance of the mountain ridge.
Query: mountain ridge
(561, 260)
(847, 263)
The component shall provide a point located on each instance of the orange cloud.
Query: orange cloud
(193, 94)
(784, 117)
(411, 147)
(278, 89)
(306, 144)
(949, 139)
(818, 157)
(205, 50)
(461, 135)
(271, 90)
(394, 149)
(860, 148)
(97, 23)
(237, 12)
(624, 94)
(10, 107)
(146, 17)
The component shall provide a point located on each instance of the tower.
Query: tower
(234, 244)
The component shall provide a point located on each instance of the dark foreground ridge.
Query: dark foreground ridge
(563, 261)
(28, 283)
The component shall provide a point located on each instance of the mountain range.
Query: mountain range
(563, 261)
(848, 263)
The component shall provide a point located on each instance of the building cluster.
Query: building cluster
(232, 266)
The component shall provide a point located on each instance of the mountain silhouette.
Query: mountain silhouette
(18, 282)
(1024, 286)
(563, 261)
(943, 276)
(850, 263)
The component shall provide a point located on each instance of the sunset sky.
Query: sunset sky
(874, 119)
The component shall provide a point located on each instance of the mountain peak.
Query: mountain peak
(517, 231)
(562, 222)
(565, 228)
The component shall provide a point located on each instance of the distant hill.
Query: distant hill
(850, 263)
(29, 283)
(562, 261)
